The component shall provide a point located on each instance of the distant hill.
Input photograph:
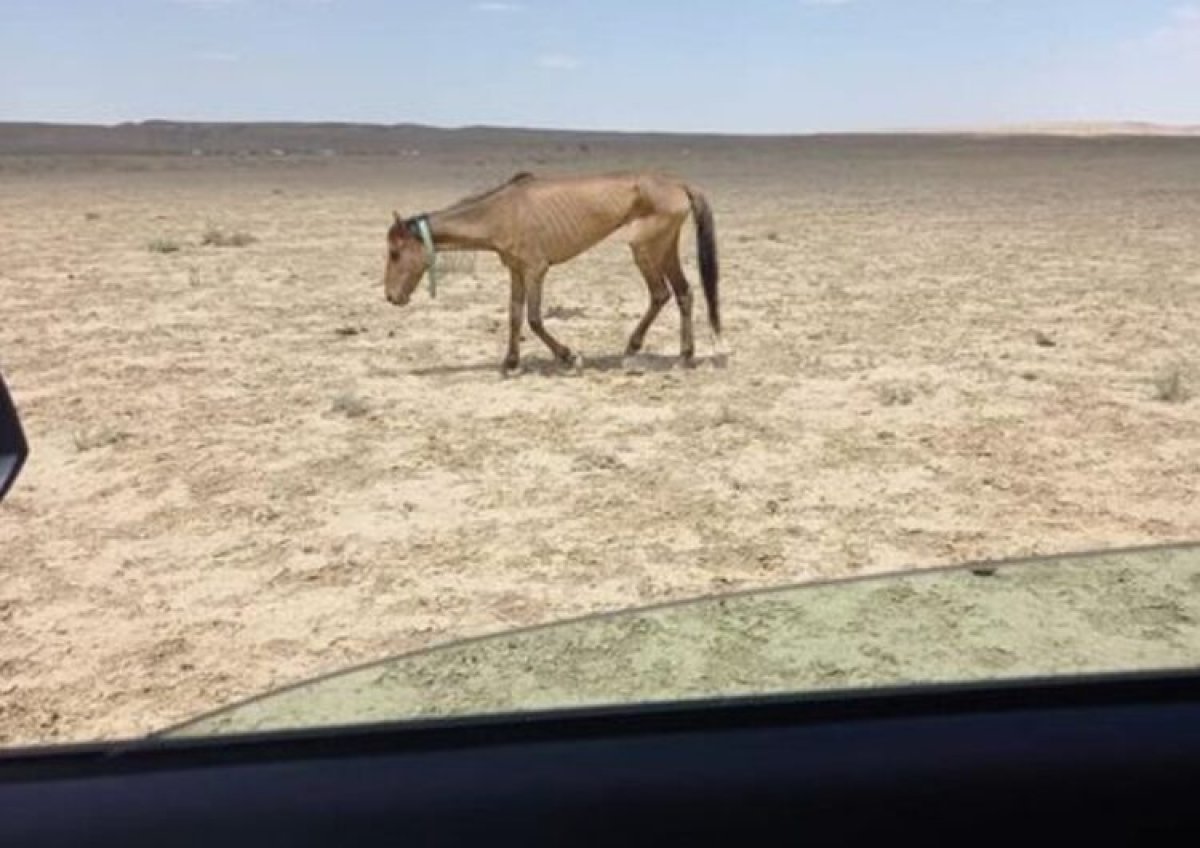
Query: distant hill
(197, 138)
(1086, 129)
(183, 138)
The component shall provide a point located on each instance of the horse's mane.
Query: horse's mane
(520, 177)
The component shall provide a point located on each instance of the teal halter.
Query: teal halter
(422, 223)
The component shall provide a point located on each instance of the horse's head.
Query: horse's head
(406, 262)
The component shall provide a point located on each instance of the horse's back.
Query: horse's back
(566, 215)
(631, 194)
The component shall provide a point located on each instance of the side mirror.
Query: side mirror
(13, 447)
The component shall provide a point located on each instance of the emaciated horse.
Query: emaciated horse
(533, 223)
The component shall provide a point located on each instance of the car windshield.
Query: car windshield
(344, 331)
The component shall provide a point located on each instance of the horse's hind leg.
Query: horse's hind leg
(648, 264)
(683, 297)
(534, 303)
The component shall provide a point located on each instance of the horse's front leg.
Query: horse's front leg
(534, 303)
(516, 315)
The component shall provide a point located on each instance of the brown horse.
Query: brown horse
(533, 223)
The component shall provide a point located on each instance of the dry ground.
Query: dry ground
(248, 469)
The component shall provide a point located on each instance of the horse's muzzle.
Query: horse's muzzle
(396, 299)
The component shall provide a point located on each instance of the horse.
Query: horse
(533, 223)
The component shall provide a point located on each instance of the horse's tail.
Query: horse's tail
(706, 248)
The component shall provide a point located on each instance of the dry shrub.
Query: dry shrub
(216, 237)
(164, 245)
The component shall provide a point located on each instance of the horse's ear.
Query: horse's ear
(397, 230)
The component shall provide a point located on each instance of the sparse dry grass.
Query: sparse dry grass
(895, 394)
(92, 438)
(350, 404)
(217, 237)
(164, 245)
(1171, 384)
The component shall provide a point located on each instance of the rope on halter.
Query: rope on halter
(421, 223)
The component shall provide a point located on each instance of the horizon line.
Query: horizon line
(1049, 127)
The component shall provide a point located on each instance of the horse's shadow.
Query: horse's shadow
(643, 363)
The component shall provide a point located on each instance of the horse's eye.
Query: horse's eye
(393, 254)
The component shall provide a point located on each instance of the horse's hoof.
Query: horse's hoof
(720, 354)
(687, 360)
(570, 360)
(509, 370)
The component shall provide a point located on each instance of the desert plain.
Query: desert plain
(248, 469)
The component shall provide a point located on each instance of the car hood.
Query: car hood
(1080, 614)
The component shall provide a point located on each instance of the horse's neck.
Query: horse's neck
(468, 227)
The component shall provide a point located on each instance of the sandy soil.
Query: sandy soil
(248, 469)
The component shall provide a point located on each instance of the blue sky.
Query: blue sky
(734, 65)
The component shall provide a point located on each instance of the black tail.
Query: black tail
(706, 248)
